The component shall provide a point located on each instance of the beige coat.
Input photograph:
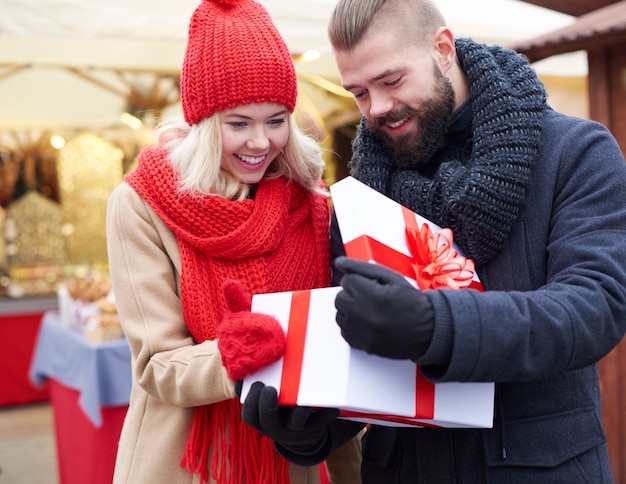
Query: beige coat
(171, 374)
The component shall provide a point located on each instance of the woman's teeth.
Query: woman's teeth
(251, 160)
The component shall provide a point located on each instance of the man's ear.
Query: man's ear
(444, 49)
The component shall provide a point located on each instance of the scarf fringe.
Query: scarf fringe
(254, 460)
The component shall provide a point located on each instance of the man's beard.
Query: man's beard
(433, 119)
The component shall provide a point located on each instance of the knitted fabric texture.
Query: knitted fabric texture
(276, 242)
(247, 341)
(234, 56)
(479, 200)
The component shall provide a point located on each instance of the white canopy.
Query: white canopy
(64, 62)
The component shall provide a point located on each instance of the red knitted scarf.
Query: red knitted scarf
(277, 242)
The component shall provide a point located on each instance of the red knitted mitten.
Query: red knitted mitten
(247, 341)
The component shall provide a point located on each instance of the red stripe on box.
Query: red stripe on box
(294, 350)
(424, 396)
(351, 415)
(476, 285)
(366, 248)
(409, 218)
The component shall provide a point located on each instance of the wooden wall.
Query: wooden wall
(607, 101)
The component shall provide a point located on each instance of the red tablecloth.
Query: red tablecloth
(89, 391)
(85, 453)
(19, 326)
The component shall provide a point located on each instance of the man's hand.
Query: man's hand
(298, 429)
(381, 313)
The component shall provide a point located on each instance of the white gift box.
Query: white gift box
(373, 228)
(320, 369)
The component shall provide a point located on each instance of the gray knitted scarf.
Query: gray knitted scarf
(478, 199)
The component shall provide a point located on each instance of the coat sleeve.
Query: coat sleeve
(556, 293)
(144, 263)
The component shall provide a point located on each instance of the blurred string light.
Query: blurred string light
(57, 141)
(130, 120)
(307, 56)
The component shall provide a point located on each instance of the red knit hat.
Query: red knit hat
(234, 56)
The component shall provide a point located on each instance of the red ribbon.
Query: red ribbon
(435, 263)
(294, 349)
(349, 414)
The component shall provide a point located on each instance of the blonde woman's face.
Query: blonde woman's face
(252, 137)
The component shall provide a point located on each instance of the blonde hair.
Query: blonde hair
(195, 152)
(411, 19)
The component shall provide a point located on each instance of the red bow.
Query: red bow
(435, 262)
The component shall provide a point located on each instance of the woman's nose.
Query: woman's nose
(258, 139)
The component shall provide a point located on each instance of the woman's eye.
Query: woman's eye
(237, 124)
(277, 121)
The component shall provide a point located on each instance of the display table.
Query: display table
(19, 325)
(89, 391)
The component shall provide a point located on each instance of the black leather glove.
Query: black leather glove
(301, 430)
(380, 312)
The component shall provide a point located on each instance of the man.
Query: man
(461, 133)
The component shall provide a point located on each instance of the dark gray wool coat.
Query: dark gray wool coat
(554, 305)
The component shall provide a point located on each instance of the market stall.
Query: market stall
(89, 391)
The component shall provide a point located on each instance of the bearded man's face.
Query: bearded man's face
(432, 119)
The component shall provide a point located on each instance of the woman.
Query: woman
(232, 193)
